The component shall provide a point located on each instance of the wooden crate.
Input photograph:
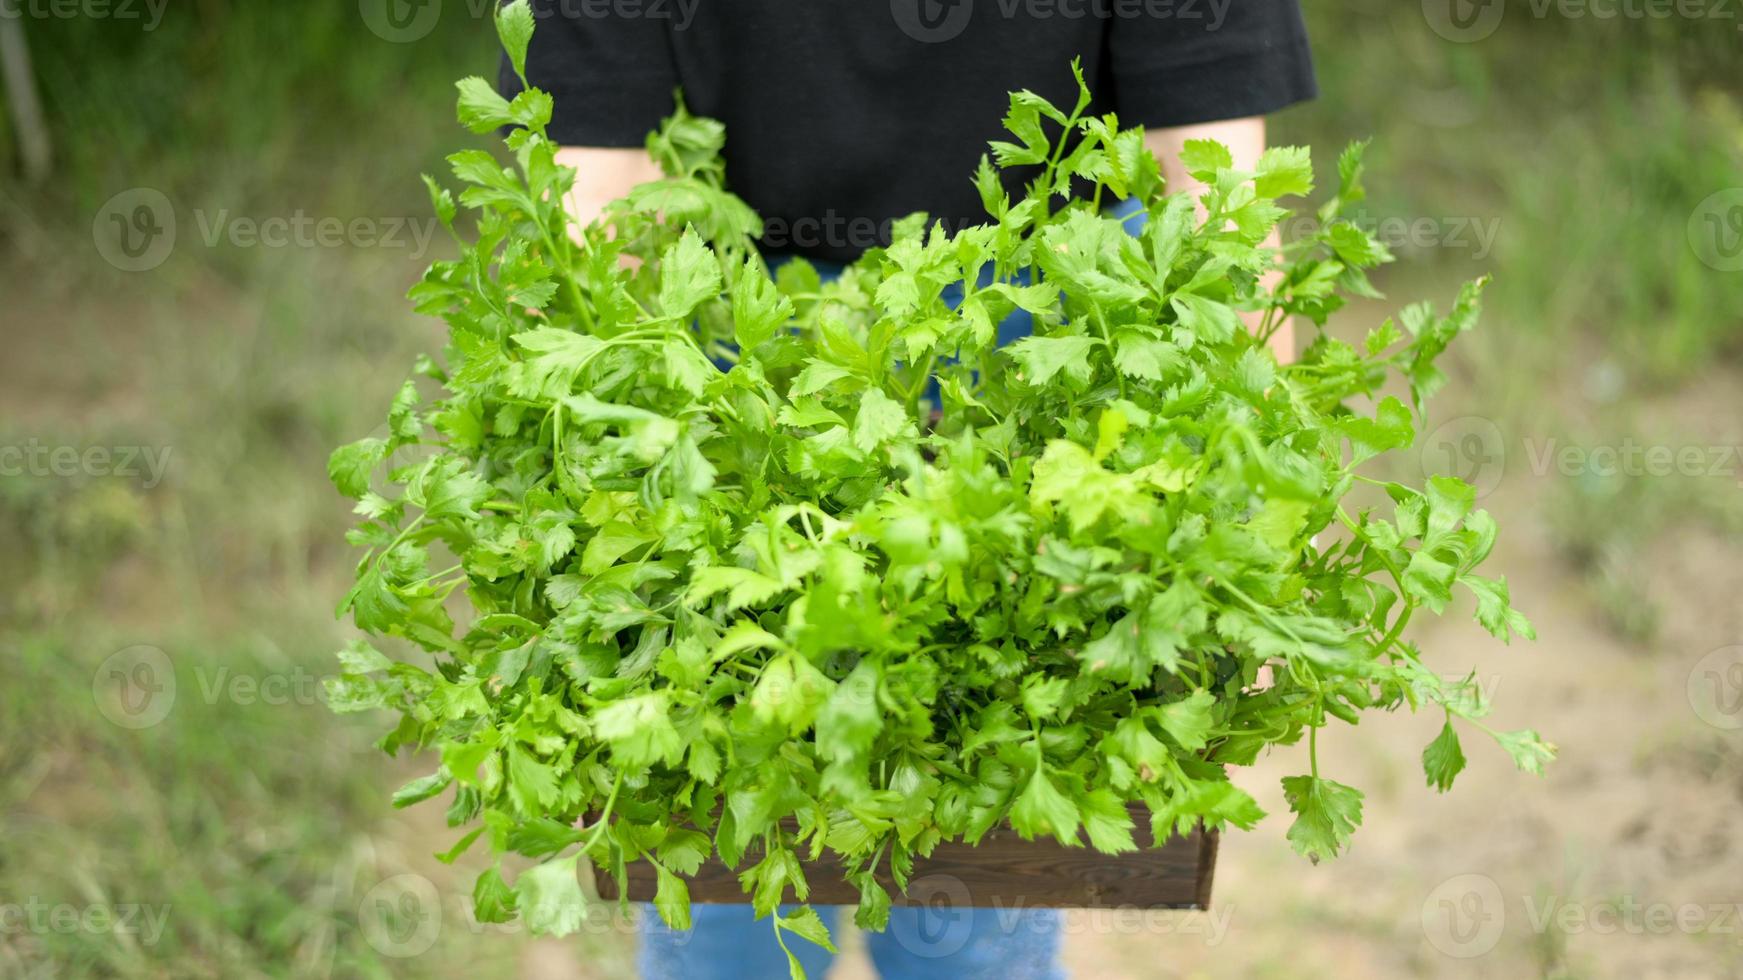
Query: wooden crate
(1003, 871)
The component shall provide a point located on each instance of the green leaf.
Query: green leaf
(514, 26)
(422, 788)
(758, 308)
(612, 542)
(1390, 429)
(880, 419)
(550, 899)
(1203, 158)
(640, 731)
(1443, 759)
(533, 783)
(790, 692)
(481, 109)
(446, 489)
(849, 721)
(1528, 749)
(689, 275)
(1108, 823)
(1326, 813)
(1206, 318)
(684, 851)
(874, 904)
(1042, 809)
(1138, 356)
(1284, 171)
(372, 603)
(359, 657)
(1189, 721)
(558, 355)
(1040, 358)
(672, 899)
(350, 465)
(1494, 608)
(492, 898)
(805, 923)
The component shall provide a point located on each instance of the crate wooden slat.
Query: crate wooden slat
(1003, 871)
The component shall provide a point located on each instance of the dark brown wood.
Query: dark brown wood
(1002, 871)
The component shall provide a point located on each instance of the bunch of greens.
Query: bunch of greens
(741, 547)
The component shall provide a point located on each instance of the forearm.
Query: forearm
(1245, 139)
(603, 174)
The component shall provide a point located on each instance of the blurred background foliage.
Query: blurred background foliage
(1587, 144)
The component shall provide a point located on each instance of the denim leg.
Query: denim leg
(924, 943)
(725, 942)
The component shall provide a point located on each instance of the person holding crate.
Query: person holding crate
(843, 116)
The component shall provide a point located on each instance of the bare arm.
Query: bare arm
(604, 174)
(1245, 139)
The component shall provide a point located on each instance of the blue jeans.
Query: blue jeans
(727, 942)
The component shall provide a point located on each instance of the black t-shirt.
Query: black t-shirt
(844, 114)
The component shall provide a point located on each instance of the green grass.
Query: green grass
(1590, 142)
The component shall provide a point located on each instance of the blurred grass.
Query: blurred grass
(265, 827)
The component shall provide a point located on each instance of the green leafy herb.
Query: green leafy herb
(763, 567)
